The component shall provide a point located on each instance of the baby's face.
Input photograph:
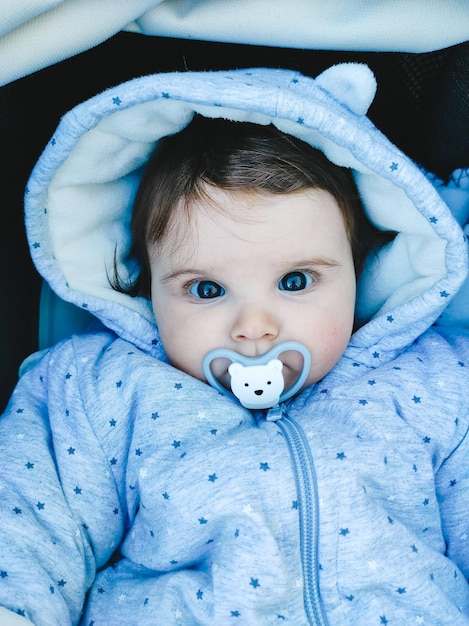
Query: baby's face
(257, 270)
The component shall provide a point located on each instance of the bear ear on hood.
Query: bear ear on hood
(352, 84)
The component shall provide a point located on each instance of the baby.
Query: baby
(133, 492)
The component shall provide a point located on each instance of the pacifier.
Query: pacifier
(257, 381)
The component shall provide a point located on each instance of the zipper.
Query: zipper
(307, 493)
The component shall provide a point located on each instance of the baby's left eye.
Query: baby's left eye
(295, 281)
(206, 289)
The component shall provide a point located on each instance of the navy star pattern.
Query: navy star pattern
(129, 462)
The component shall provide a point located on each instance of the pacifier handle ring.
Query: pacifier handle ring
(273, 353)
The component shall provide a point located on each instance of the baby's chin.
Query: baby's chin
(219, 368)
(292, 367)
(290, 376)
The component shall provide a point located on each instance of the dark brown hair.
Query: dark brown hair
(234, 156)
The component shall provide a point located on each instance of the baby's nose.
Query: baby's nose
(254, 323)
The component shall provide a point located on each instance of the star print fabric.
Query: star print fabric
(171, 503)
(133, 493)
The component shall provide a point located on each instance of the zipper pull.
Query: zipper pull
(275, 413)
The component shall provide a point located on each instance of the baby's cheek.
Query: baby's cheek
(187, 350)
(338, 338)
(332, 345)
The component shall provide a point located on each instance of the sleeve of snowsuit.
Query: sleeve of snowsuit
(57, 488)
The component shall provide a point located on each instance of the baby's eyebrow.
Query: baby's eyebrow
(314, 262)
(183, 271)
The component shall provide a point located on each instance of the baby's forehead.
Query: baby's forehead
(246, 221)
(213, 204)
(247, 205)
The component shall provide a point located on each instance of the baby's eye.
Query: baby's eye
(295, 281)
(206, 289)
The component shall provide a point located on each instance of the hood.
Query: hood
(79, 197)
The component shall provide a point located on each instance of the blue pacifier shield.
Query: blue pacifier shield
(257, 381)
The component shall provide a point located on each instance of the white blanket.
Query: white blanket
(38, 33)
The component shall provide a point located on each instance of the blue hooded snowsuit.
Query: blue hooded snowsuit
(132, 493)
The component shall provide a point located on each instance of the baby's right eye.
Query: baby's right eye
(206, 289)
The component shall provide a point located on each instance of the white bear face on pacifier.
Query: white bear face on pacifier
(257, 386)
